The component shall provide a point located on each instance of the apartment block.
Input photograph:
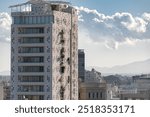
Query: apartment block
(44, 51)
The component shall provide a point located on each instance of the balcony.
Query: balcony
(31, 88)
(30, 93)
(29, 59)
(31, 79)
(30, 69)
(30, 97)
(31, 40)
(31, 50)
(34, 30)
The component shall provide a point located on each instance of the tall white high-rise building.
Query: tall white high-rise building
(44, 51)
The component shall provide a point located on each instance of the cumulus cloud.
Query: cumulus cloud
(5, 23)
(114, 30)
(134, 24)
(146, 16)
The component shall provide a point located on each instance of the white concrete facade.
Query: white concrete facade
(44, 51)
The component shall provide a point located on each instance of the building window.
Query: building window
(97, 95)
(93, 95)
(62, 69)
(41, 97)
(31, 69)
(79, 95)
(42, 19)
(89, 95)
(68, 80)
(101, 95)
(62, 90)
(33, 19)
(30, 20)
(26, 19)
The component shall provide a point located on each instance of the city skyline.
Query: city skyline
(111, 34)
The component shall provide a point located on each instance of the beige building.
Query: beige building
(44, 51)
(93, 87)
(4, 90)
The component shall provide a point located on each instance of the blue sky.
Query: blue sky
(112, 6)
(117, 32)
(105, 6)
(4, 4)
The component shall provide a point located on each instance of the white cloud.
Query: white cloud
(97, 20)
(130, 41)
(114, 30)
(146, 16)
(5, 23)
(134, 24)
(111, 44)
(80, 18)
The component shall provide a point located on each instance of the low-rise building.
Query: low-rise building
(139, 95)
(93, 87)
(4, 90)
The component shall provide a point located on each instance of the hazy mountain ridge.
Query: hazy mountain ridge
(138, 67)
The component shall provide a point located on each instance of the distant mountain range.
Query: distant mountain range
(139, 67)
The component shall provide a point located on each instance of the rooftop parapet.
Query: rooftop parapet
(44, 4)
